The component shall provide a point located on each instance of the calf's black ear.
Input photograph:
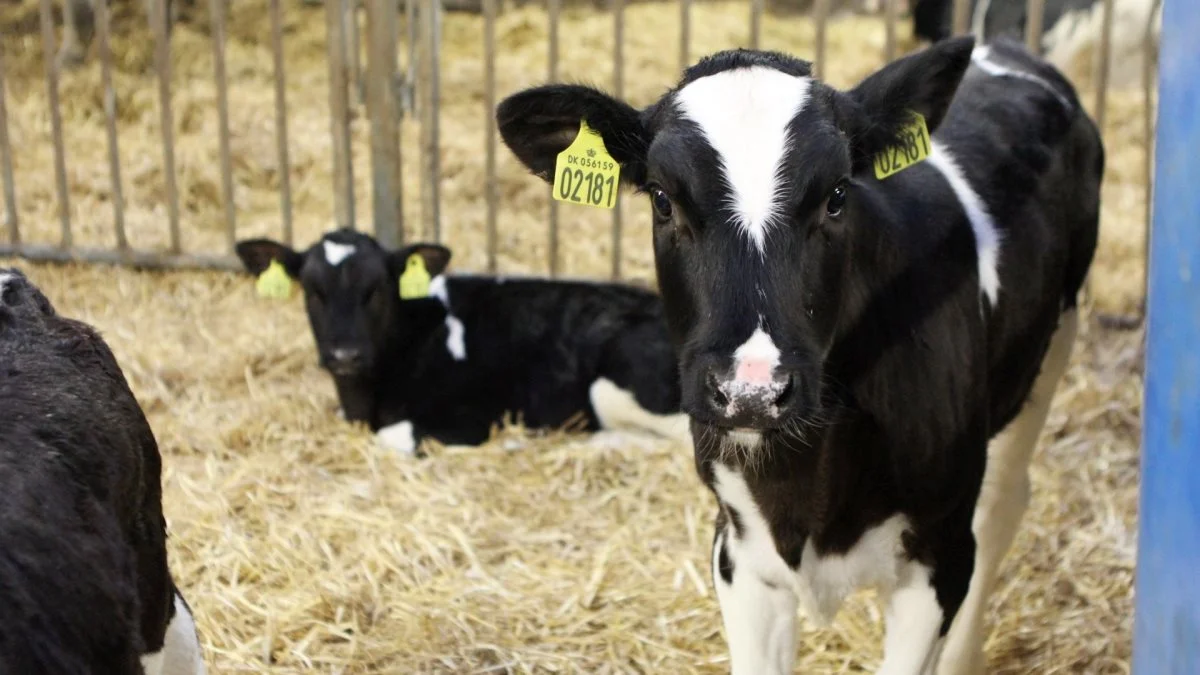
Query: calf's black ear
(257, 254)
(874, 112)
(437, 258)
(539, 123)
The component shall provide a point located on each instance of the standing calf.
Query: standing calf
(452, 363)
(84, 582)
(867, 362)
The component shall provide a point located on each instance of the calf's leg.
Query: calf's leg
(1002, 502)
(78, 28)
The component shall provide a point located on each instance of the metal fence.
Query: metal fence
(387, 94)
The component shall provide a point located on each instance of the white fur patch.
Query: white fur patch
(617, 408)
(759, 618)
(744, 115)
(335, 253)
(913, 618)
(759, 349)
(181, 653)
(455, 344)
(823, 582)
(987, 237)
(437, 289)
(981, 57)
(398, 437)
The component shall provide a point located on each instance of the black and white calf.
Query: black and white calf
(867, 363)
(452, 364)
(84, 582)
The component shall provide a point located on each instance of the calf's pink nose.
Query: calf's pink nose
(754, 371)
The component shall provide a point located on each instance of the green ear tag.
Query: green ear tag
(414, 283)
(274, 282)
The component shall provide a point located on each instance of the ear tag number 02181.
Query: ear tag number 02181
(585, 173)
(414, 283)
(274, 282)
(914, 146)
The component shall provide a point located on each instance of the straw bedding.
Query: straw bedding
(304, 548)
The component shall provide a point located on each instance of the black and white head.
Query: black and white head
(351, 291)
(759, 179)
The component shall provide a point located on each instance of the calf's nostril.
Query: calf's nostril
(718, 397)
(786, 391)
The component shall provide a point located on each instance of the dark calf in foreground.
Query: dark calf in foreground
(867, 362)
(451, 363)
(84, 582)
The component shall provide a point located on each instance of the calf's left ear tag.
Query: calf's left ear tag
(414, 283)
(274, 282)
(913, 145)
(585, 173)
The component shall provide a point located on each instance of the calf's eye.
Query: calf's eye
(661, 203)
(836, 201)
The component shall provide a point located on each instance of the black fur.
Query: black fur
(901, 370)
(84, 583)
(533, 347)
(933, 19)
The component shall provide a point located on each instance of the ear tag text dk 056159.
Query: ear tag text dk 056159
(585, 173)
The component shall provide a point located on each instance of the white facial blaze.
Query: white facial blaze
(744, 115)
(987, 237)
(335, 253)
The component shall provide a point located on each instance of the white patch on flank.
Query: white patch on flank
(1003, 499)
(617, 408)
(335, 253)
(437, 288)
(913, 619)
(744, 115)
(455, 344)
(981, 57)
(823, 582)
(398, 437)
(5, 277)
(181, 653)
(987, 238)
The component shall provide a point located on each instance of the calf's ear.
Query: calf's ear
(257, 254)
(874, 112)
(436, 257)
(538, 123)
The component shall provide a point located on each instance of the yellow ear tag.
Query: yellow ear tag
(414, 283)
(914, 146)
(585, 173)
(274, 282)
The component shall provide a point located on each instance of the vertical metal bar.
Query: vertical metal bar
(1149, 63)
(553, 10)
(217, 9)
(60, 164)
(1166, 586)
(430, 54)
(961, 17)
(383, 110)
(162, 57)
(281, 128)
(889, 43)
(1035, 13)
(110, 123)
(410, 20)
(619, 91)
(353, 50)
(6, 167)
(685, 34)
(339, 114)
(1102, 67)
(821, 16)
(756, 12)
(489, 104)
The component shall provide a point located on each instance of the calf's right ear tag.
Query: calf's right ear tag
(912, 146)
(414, 283)
(585, 173)
(274, 282)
